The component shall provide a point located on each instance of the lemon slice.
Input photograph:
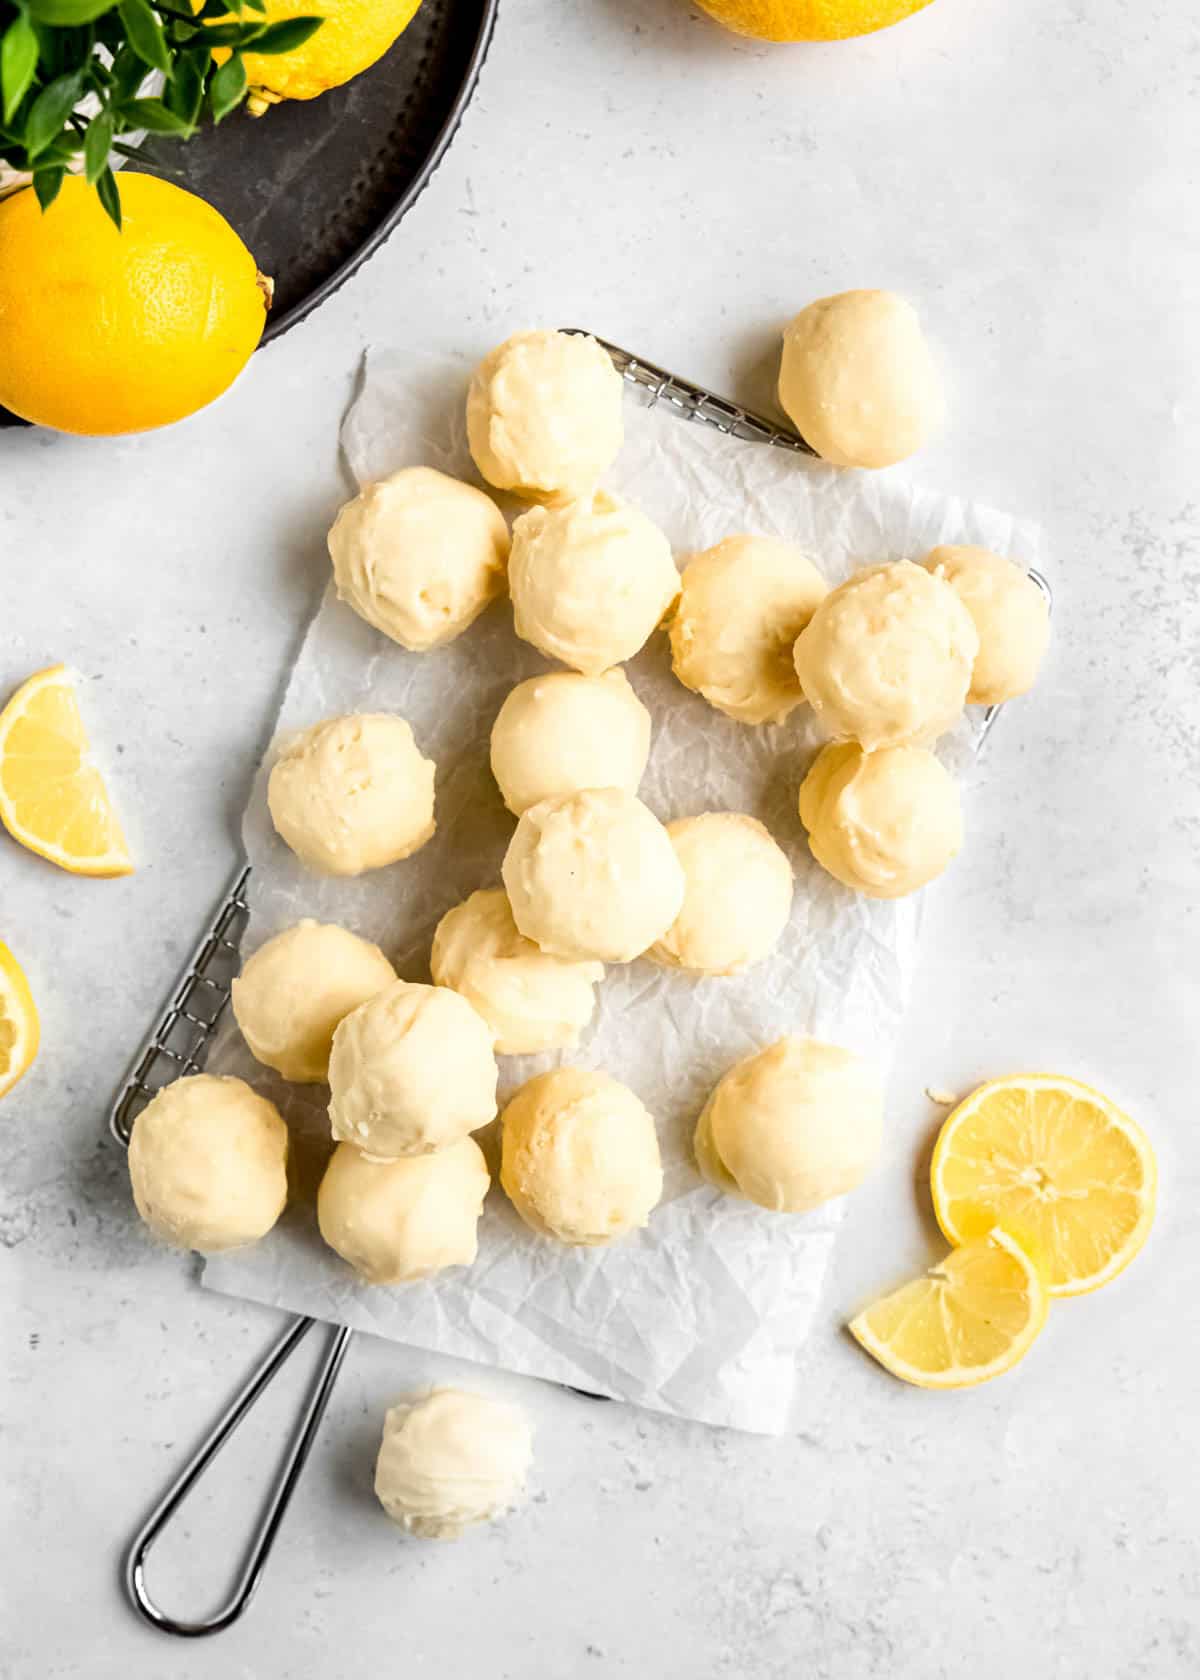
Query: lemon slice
(19, 1032)
(970, 1318)
(1055, 1163)
(52, 799)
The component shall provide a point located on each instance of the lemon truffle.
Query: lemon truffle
(1011, 614)
(741, 606)
(401, 1221)
(737, 898)
(883, 823)
(792, 1126)
(450, 1460)
(563, 732)
(579, 1157)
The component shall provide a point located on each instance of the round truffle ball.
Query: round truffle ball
(544, 414)
(1011, 615)
(352, 794)
(792, 1126)
(590, 581)
(451, 1460)
(208, 1164)
(883, 823)
(531, 1000)
(593, 875)
(563, 732)
(738, 894)
(886, 658)
(400, 1221)
(579, 1157)
(858, 381)
(419, 555)
(741, 606)
(294, 990)
(411, 1070)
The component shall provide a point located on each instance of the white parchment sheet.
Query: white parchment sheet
(703, 1313)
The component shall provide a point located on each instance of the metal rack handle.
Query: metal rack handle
(264, 1536)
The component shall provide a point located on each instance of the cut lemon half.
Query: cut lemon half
(1055, 1163)
(19, 1032)
(52, 798)
(970, 1318)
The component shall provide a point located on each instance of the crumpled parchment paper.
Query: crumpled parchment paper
(703, 1313)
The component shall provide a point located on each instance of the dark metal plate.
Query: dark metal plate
(314, 187)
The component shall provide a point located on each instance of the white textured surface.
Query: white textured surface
(1026, 175)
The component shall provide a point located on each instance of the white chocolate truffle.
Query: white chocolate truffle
(563, 732)
(883, 823)
(741, 606)
(590, 581)
(579, 1157)
(419, 555)
(295, 989)
(886, 658)
(452, 1460)
(208, 1164)
(858, 381)
(738, 896)
(792, 1126)
(593, 874)
(411, 1070)
(544, 414)
(1011, 615)
(400, 1221)
(531, 1000)
(353, 793)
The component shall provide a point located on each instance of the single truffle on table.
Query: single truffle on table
(593, 876)
(1010, 612)
(401, 1221)
(741, 606)
(451, 1460)
(579, 1157)
(544, 414)
(412, 1070)
(208, 1164)
(737, 899)
(295, 990)
(532, 1001)
(886, 658)
(590, 581)
(562, 732)
(858, 381)
(419, 555)
(884, 823)
(353, 793)
(792, 1126)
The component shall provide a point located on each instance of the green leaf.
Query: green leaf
(128, 73)
(109, 196)
(46, 183)
(259, 6)
(227, 88)
(18, 62)
(145, 33)
(185, 91)
(231, 34)
(287, 35)
(153, 115)
(97, 146)
(50, 111)
(65, 13)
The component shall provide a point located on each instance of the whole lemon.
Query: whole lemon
(809, 20)
(105, 330)
(352, 36)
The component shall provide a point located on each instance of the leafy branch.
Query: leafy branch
(73, 75)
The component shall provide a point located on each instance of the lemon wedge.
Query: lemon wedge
(970, 1318)
(19, 1032)
(52, 798)
(1056, 1164)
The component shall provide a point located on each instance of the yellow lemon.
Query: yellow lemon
(52, 799)
(19, 1031)
(970, 1318)
(809, 20)
(1057, 1164)
(105, 331)
(353, 35)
